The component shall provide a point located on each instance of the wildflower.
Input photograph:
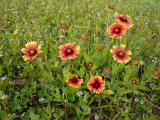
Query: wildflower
(124, 19)
(96, 84)
(116, 30)
(4, 77)
(64, 28)
(135, 81)
(142, 101)
(120, 54)
(111, 6)
(136, 99)
(107, 71)
(4, 97)
(136, 62)
(155, 37)
(68, 51)
(156, 73)
(31, 50)
(100, 47)
(82, 36)
(80, 93)
(65, 101)
(89, 64)
(41, 100)
(96, 117)
(74, 81)
(61, 36)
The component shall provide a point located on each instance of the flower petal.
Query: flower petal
(122, 47)
(25, 57)
(24, 50)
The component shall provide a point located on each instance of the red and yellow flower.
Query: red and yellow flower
(124, 19)
(74, 81)
(116, 30)
(96, 84)
(120, 54)
(68, 51)
(31, 50)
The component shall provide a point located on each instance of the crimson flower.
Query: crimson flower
(96, 84)
(31, 50)
(124, 19)
(120, 54)
(68, 51)
(74, 81)
(116, 30)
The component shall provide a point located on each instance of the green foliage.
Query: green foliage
(37, 89)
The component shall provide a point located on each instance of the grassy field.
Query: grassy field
(37, 89)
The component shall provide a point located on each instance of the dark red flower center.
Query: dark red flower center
(117, 30)
(32, 52)
(123, 19)
(74, 80)
(96, 84)
(121, 54)
(69, 51)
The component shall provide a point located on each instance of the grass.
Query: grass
(37, 89)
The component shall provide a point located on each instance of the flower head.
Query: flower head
(68, 51)
(4, 97)
(74, 81)
(142, 101)
(96, 84)
(111, 6)
(31, 50)
(107, 71)
(124, 19)
(41, 100)
(135, 81)
(120, 54)
(156, 73)
(4, 77)
(135, 62)
(89, 65)
(96, 117)
(116, 30)
(100, 47)
(82, 36)
(136, 99)
(80, 93)
(63, 28)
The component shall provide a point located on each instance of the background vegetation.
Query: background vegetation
(37, 90)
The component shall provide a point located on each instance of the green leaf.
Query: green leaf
(152, 117)
(58, 97)
(71, 97)
(81, 72)
(110, 92)
(1, 70)
(33, 116)
(3, 115)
